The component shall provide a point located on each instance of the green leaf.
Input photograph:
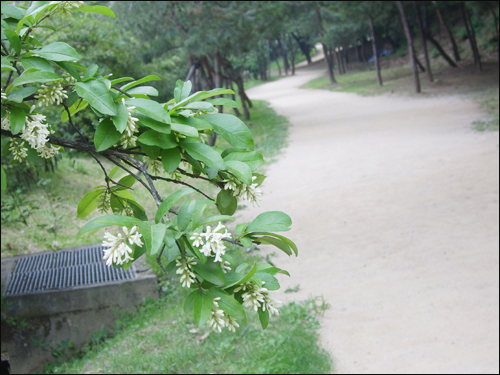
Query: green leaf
(110, 220)
(211, 272)
(171, 159)
(170, 201)
(151, 151)
(184, 129)
(113, 171)
(268, 240)
(241, 279)
(214, 219)
(127, 180)
(185, 214)
(36, 77)
(275, 221)
(271, 283)
(282, 238)
(91, 71)
(95, 9)
(240, 229)
(14, 41)
(149, 108)
(96, 93)
(231, 128)
(188, 302)
(215, 92)
(182, 90)
(120, 80)
(247, 242)
(143, 90)
(254, 159)
(17, 120)
(204, 153)
(4, 181)
(267, 268)
(227, 303)
(106, 135)
(75, 108)
(8, 67)
(224, 101)
(201, 205)
(70, 68)
(264, 318)
(240, 170)
(88, 203)
(226, 202)
(155, 240)
(202, 106)
(121, 118)
(202, 308)
(37, 63)
(154, 138)
(58, 51)
(128, 86)
(11, 11)
(195, 122)
(159, 126)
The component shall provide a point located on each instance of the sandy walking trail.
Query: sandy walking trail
(395, 209)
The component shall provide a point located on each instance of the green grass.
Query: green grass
(160, 338)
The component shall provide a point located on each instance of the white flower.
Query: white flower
(128, 137)
(257, 297)
(230, 323)
(50, 93)
(118, 252)
(216, 320)
(187, 276)
(47, 151)
(6, 122)
(4, 95)
(18, 151)
(197, 239)
(214, 242)
(251, 193)
(155, 165)
(226, 266)
(271, 304)
(231, 184)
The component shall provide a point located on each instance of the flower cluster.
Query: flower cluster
(213, 242)
(50, 93)
(256, 297)
(18, 151)
(219, 319)
(35, 132)
(128, 138)
(187, 276)
(155, 165)
(118, 251)
(249, 193)
(6, 121)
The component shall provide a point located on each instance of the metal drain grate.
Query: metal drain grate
(63, 269)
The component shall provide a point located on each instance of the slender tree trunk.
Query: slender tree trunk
(304, 47)
(229, 85)
(448, 31)
(329, 63)
(278, 64)
(292, 50)
(358, 55)
(441, 50)
(363, 49)
(375, 54)
(192, 68)
(281, 42)
(471, 36)
(419, 64)
(495, 20)
(424, 42)
(339, 65)
(410, 46)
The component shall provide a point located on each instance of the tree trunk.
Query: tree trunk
(292, 50)
(495, 19)
(441, 50)
(374, 47)
(363, 49)
(419, 64)
(410, 46)
(304, 47)
(424, 42)
(472, 37)
(358, 55)
(281, 42)
(329, 63)
(448, 31)
(337, 59)
(229, 85)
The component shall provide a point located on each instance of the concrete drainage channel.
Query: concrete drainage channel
(65, 295)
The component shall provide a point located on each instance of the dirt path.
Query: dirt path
(394, 203)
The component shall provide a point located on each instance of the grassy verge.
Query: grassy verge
(464, 81)
(160, 338)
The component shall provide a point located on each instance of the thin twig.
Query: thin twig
(181, 183)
